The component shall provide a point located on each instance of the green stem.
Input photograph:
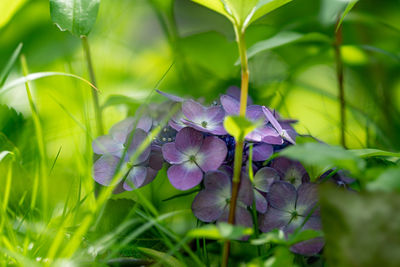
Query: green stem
(97, 110)
(239, 143)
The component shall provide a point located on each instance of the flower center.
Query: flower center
(204, 124)
(192, 159)
(294, 215)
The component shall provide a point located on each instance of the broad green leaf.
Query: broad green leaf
(114, 100)
(239, 126)
(332, 9)
(221, 231)
(366, 153)
(77, 16)
(388, 181)
(349, 7)
(266, 6)
(284, 38)
(318, 158)
(7, 69)
(360, 229)
(303, 236)
(215, 5)
(8, 9)
(161, 257)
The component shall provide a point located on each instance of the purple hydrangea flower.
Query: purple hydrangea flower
(262, 151)
(212, 203)
(261, 183)
(287, 134)
(288, 210)
(190, 155)
(205, 119)
(290, 171)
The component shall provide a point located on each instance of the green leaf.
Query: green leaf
(303, 236)
(215, 5)
(366, 153)
(282, 257)
(239, 126)
(114, 100)
(3, 154)
(7, 69)
(360, 229)
(284, 38)
(161, 257)
(274, 237)
(318, 158)
(266, 6)
(349, 7)
(77, 17)
(221, 231)
(388, 181)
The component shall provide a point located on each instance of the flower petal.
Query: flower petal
(255, 112)
(104, 169)
(208, 206)
(145, 123)
(156, 159)
(262, 152)
(215, 115)
(218, 182)
(242, 216)
(192, 110)
(261, 202)
(138, 137)
(282, 195)
(121, 130)
(172, 155)
(135, 178)
(234, 91)
(272, 119)
(307, 198)
(184, 176)
(230, 104)
(246, 195)
(188, 141)
(107, 145)
(264, 178)
(312, 246)
(170, 96)
(273, 219)
(211, 154)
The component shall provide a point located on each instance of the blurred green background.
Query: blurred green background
(134, 43)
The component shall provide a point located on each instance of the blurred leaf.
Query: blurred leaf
(361, 230)
(215, 5)
(77, 17)
(8, 9)
(282, 257)
(332, 9)
(381, 51)
(388, 181)
(11, 123)
(321, 157)
(114, 100)
(3, 154)
(274, 237)
(284, 38)
(239, 126)
(303, 236)
(7, 69)
(161, 257)
(349, 7)
(368, 152)
(221, 231)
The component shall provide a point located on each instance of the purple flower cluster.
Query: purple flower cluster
(198, 152)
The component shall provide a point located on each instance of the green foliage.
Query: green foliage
(239, 126)
(349, 7)
(221, 231)
(388, 181)
(77, 17)
(7, 69)
(164, 258)
(360, 229)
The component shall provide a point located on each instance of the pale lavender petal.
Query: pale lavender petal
(171, 97)
(255, 112)
(192, 110)
(290, 170)
(264, 178)
(176, 121)
(282, 195)
(272, 119)
(307, 198)
(136, 177)
(234, 91)
(121, 130)
(211, 154)
(208, 206)
(271, 136)
(107, 145)
(172, 155)
(230, 105)
(261, 202)
(139, 137)
(290, 136)
(215, 115)
(273, 219)
(104, 169)
(246, 195)
(145, 123)
(188, 141)
(218, 129)
(262, 152)
(185, 176)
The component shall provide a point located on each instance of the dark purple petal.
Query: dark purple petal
(282, 196)
(219, 183)
(228, 170)
(261, 202)
(121, 130)
(264, 178)
(192, 110)
(211, 154)
(230, 104)
(272, 119)
(156, 159)
(307, 198)
(273, 219)
(290, 170)
(136, 177)
(242, 216)
(312, 246)
(188, 141)
(184, 176)
(171, 97)
(208, 206)
(107, 145)
(104, 169)
(246, 194)
(172, 155)
(262, 152)
(139, 136)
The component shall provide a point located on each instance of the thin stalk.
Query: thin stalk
(239, 143)
(340, 80)
(97, 110)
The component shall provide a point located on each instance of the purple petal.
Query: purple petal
(290, 170)
(135, 178)
(208, 206)
(313, 246)
(273, 219)
(188, 141)
(307, 198)
(272, 119)
(121, 130)
(216, 129)
(145, 123)
(271, 136)
(184, 176)
(171, 97)
(219, 183)
(228, 170)
(107, 145)
(172, 155)
(255, 112)
(215, 115)
(211, 154)
(156, 159)
(262, 152)
(104, 169)
(234, 91)
(246, 194)
(242, 216)
(282, 195)
(176, 121)
(192, 110)
(139, 136)
(230, 105)
(264, 178)
(261, 202)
